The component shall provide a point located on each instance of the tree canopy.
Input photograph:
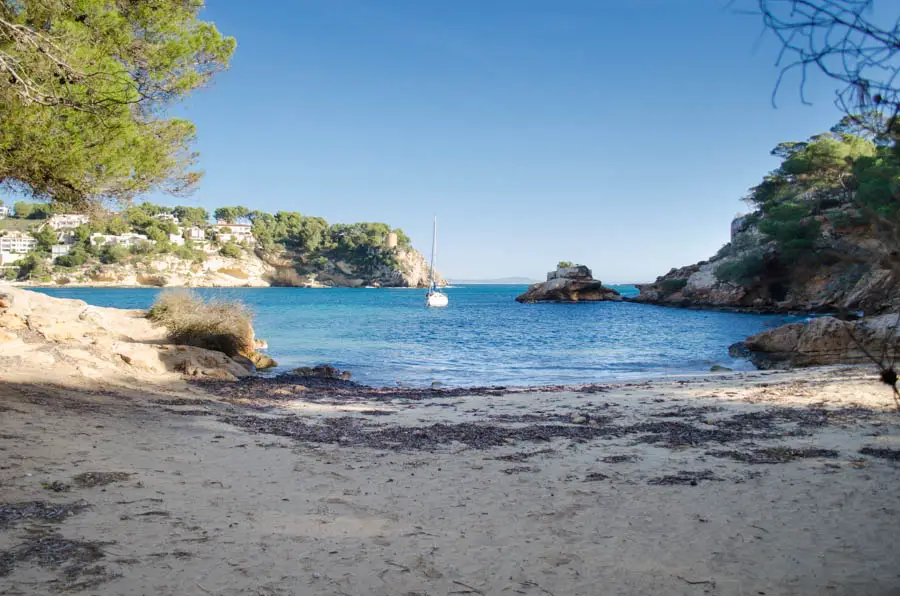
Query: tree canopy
(83, 91)
(848, 178)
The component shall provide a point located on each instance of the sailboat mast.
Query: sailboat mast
(433, 249)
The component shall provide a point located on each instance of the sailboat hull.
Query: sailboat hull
(436, 299)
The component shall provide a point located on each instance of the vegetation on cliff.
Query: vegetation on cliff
(824, 232)
(839, 181)
(303, 250)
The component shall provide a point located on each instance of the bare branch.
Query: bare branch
(842, 40)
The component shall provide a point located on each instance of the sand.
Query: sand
(656, 487)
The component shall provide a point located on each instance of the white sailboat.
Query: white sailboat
(433, 297)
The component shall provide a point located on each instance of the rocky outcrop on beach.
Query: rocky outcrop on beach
(822, 341)
(569, 284)
(69, 341)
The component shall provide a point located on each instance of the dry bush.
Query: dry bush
(287, 277)
(235, 272)
(158, 281)
(220, 325)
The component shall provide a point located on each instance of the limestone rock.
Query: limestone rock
(74, 343)
(262, 361)
(821, 341)
(569, 284)
(865, 276)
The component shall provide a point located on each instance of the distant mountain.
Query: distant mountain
(500, 281)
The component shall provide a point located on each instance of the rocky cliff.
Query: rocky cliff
(847, 267)
(397, 268)
(569, 284)
(171, 271)
(407, 268)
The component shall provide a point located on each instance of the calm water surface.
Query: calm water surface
(484, 337)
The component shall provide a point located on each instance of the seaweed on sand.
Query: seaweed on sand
(684, 477)
(883, 453)
(774, 455)
(11, 513)
(350, 431)
(53, 550)
(92, 479)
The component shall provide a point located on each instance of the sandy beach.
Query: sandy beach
(739, 483)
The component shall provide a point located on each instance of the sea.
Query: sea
(386, 337)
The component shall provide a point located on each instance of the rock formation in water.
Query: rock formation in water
(821, 341)
(569, 284)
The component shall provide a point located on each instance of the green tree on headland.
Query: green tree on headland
(46, 237)
(231, 214)
(83, 87)
(191, 216)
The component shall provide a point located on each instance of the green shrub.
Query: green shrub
(565, 264)
(843, 220)
(741, 271)
(224, 326)
(231, 250)
(670, 286)
(76, 257)
(791, 227)
(183, 252)
(111, 254)
(34, 266)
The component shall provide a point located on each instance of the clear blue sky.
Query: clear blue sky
(621, 135)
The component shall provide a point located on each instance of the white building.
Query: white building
(58, 250)
(67, 221)
(228, 232)
(195, 233)
(176, 239)
(15, 245)
(167, 217)
(126, 240)
(4, 212)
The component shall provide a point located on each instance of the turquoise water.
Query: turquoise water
(386, 336)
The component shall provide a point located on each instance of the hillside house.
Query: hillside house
(167, 217)
(15, 245)
(233, 232)
(195, 233)
(176, 239)
(126, 240)
(59, 250)
(68, 221)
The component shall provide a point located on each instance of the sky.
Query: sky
(621, 135)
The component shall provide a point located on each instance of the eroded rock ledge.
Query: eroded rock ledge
(569, 284)
(822, 341)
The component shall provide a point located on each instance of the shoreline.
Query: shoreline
(627, 299)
